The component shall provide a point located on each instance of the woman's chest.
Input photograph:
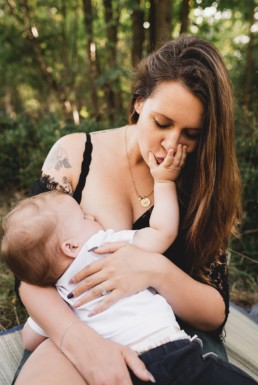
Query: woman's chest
(109, 205)
(109, 193)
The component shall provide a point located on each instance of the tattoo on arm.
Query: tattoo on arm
(49, 183)
(58, 158)
(66, 186)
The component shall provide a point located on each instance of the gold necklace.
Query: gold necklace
(144, 199)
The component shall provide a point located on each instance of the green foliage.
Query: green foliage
(12, 313)
(21, 151)
(244, 255)
(24, 144)
(247, 150)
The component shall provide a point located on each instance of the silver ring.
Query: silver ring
(102, 290)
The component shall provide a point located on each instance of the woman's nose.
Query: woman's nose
(171, 140)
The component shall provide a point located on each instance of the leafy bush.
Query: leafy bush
(244, 250)
(24, 144)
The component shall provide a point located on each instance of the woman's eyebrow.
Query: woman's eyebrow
(163, 116)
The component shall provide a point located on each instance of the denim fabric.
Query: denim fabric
(182, 363)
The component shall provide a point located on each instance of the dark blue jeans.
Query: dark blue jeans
(182, 363)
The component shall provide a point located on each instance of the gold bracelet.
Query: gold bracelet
(66, 330)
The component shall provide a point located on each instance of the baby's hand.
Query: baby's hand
(171, 166)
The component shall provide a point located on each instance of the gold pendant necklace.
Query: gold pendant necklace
(144, 199)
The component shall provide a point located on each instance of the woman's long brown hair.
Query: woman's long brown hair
(209, 186)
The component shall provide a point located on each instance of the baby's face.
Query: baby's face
(74, 222)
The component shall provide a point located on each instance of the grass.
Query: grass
(12, 313)
(243, 284)
(243, 281)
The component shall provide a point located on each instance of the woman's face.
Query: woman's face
(172, 115)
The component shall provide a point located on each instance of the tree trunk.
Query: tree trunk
(138, 33)
(160, 18)
(92, 56)
(152, 29)
(184, 15)
(113, 101)
(249, 80)
(163, 21)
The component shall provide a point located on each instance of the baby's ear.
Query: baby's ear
(70, 248)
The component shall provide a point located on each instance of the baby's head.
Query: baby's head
(30, 244)
(43, 234)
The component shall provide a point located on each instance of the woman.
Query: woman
(181, 95)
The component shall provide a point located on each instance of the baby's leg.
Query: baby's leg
(30, 339)
(47, 365)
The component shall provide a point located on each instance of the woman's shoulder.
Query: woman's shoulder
(63, 162)
(72, 140)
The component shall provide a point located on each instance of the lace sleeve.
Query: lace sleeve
(48, 183)
(218, 278)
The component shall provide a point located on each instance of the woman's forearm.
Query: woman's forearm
(196, 303)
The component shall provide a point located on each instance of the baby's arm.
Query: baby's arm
(164, 220)
(30, 338)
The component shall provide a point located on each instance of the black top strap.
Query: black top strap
(84, 170)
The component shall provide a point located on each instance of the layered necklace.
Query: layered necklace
(144, 199)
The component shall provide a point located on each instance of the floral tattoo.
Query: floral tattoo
(58, 159)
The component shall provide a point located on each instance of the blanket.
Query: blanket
(11, 350)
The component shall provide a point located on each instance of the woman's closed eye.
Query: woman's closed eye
(161, 125)
(192, 134)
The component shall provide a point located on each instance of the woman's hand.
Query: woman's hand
(101, 361)
(126, 271)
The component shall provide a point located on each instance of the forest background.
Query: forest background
(66, 66)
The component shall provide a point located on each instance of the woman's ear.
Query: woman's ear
(138, 105)
(70, 248)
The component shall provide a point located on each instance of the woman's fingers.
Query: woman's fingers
(95, 273)
(111, 298)
(86, 272)
(91, 281)
(100, 290)
(137, 366)
(110, 278)
(110, 247)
